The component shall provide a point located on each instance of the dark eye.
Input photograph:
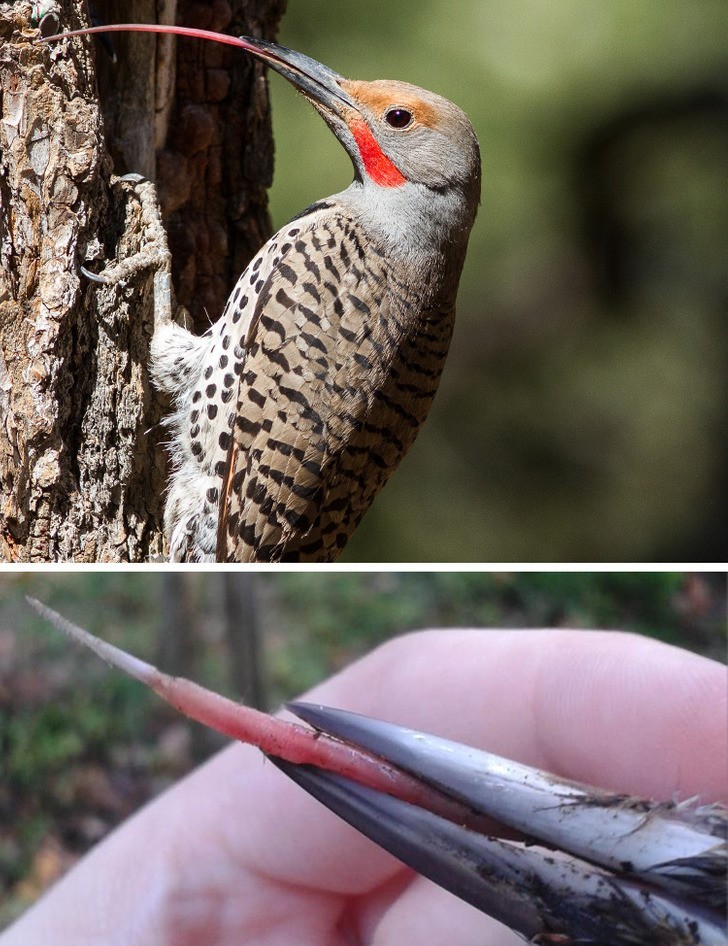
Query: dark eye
(398, 117)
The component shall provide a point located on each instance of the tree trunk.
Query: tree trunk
(82, 466)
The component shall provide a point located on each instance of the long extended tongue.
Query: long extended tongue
(157, 28)
(276, 737)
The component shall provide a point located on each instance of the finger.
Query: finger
(615, 710)
(597, 706)
(424, 913)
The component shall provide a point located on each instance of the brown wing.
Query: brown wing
(306, 385)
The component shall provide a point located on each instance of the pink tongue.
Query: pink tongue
(277, 737)
(158, 28)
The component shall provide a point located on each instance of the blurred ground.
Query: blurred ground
(582, 411)
(82, 747)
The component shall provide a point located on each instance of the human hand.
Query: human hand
(236, 854)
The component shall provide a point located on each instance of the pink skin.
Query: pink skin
(236, 854)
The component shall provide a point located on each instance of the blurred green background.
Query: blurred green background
(581, 415)
(82, 746)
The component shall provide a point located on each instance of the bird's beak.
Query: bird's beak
(318, 83)
(591, 867)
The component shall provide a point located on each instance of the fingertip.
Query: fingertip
(633, 714)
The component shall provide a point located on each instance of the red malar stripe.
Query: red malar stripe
(377, 165)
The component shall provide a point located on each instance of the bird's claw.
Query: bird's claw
(591, 867)
(94, 277)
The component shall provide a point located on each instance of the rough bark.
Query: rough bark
(82, 465)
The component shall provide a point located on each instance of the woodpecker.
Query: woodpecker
(293, 410)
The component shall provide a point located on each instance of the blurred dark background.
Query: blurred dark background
(82, 746)
(581, 415)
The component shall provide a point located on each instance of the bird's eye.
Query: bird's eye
(398, 117)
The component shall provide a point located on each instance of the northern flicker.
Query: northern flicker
(293, 410)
